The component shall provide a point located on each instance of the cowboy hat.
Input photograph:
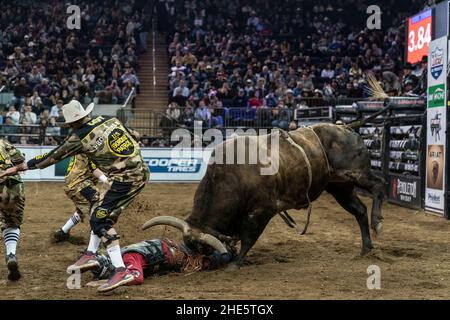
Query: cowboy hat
(74, 111)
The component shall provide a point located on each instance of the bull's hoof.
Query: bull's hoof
(377, 228)
(232, 267)
(365, 251)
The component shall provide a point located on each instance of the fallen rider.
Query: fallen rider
(161, 256)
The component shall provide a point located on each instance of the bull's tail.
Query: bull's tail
(357, 124)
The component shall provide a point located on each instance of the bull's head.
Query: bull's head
(189, 234)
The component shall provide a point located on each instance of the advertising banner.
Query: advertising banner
(405, 190)
(436, 125)
(165, 165)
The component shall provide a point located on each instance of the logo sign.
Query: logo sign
(435, 167)
(101, 213)
(405, 190)
(433, 198)
(174, 165)
(436, 96)
(437, 62)
(435, 127)
(436, 124)
(120, 143)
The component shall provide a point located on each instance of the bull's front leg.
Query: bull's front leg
(346, 196)
(252, 227)
(376, 186)
(378, 191)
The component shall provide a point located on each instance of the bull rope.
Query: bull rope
(286, 217)
(323, 150)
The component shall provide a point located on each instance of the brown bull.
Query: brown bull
(236, 201)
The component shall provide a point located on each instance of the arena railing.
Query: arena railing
(30, 134)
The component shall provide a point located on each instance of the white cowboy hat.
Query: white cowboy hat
(74, 111)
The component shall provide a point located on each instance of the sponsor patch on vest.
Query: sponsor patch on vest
(120, 143)
(101, 213)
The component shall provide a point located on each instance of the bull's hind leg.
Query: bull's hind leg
(251, 229)
(346, 196)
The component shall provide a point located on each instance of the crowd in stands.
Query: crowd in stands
(283, 55)
(44, 64)
(234, 59)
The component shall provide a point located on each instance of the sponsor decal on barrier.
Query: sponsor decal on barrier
(436, 127)
(170, 165)
(163, 165)
(437, 62)
(436, 123)
(435, 167)
(434, 198)
(405, 190)
(436, 96)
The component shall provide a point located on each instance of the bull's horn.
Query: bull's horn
(204, 238)
(169, 221)
(212, 241)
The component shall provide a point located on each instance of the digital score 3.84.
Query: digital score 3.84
(419, 36)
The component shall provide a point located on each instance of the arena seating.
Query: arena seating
(293, 55)
(290, 55)
(43, 64)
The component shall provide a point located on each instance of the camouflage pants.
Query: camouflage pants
(83, 195)
(114, 197)
(12, 204)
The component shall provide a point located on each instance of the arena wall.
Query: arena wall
(165, 164)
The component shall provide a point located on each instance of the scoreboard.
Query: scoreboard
(419, 36)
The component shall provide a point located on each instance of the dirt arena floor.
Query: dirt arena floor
(413, 254)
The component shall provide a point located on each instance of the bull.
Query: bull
(235, 202)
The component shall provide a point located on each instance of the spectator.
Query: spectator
(14, 115)
(289, 100)
(187, 117)
(44, 91)
(34, 77)
(271, 100)
(240, 101)
(44, 116)
(179, 98)
(54, 111)
(255, 100)
(202, 114)
(40, 107)
(9, 130)
(130, 77)
(21, 91)
(10, 71)
(173, 111)
(182, 88)
(60, 122)
(52, 128)
(281, 116)
(328, 72)
(114, 91)
(29, 117)
(409, 81)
